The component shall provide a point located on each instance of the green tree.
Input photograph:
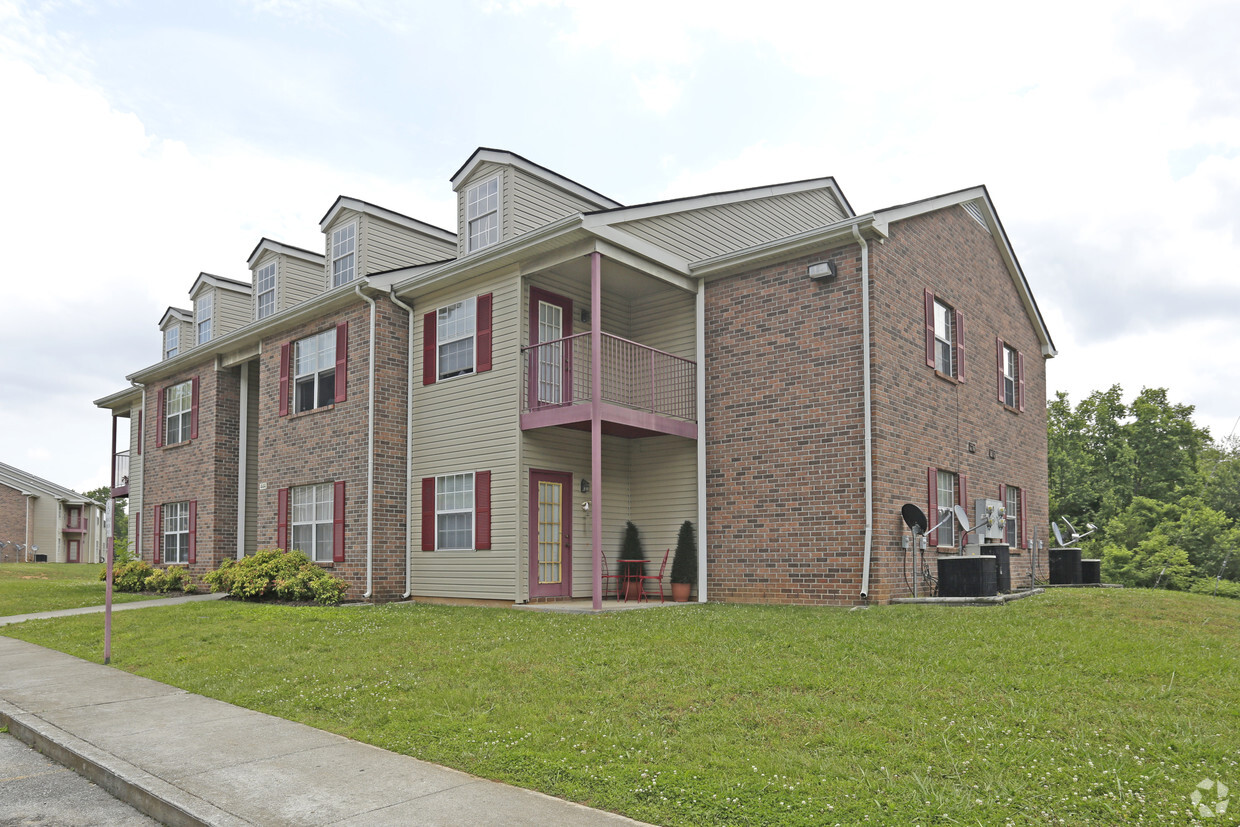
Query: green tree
(120, 519)
(1165, 446)
(1218, 469)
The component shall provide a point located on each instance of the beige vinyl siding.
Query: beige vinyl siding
(297, 280)
(135, 474)
(44, 530)
(664, 495)
(482, 173)
(616, 314)
(233, 309)
(470, 423)
(389, 246)
(712, 231)
(535, 202)
(665, 320)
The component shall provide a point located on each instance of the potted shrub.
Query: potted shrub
(632, 561)
(684, 564)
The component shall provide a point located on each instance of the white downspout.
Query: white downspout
(243, 457)
(370, 448)
(700, 389)
(869, 443)
(408, 448)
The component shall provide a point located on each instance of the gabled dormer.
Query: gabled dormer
(176, 329)
(220, 306)
(500, 195)
(283, 276)
(361, 238)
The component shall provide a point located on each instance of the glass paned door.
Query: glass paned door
(550, 356)
(551, 557)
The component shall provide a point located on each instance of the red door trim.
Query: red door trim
(565, 587)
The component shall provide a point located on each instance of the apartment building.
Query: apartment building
(476, 413)
(41, 521)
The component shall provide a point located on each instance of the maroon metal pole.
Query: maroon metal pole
(107, 600)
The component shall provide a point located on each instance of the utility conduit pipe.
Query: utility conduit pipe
(866, 404)
(408, 447)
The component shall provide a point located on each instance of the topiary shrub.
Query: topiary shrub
(684, 564)
(631, 549)
(273, 573)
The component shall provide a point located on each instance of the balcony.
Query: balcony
(643, 391)
(120, 474)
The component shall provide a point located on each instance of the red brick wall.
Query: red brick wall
(12, 522)
(330, 445)
(203, 469)
(784, 416)
(923, 420)
(784, 461)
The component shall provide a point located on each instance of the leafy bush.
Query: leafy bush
(1223, 588)
(274, 573)
(171, 579)
(138, 576)
(130, 577)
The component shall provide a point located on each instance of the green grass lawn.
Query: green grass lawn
(1076, 707)
(43, 587)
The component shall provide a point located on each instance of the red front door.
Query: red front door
(551, 534)
(74, 550)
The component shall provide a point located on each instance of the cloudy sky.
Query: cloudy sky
(144, 142)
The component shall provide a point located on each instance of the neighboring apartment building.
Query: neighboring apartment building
(44, 522)
(476, 414)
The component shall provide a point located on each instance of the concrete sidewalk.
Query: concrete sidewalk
(116, 607)
(186, 759)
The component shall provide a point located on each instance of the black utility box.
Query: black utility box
(1091, 572)
(40, 558)
(1003, 565)
(968, 576)
(1065, 566)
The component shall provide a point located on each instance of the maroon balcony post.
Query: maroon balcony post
(596, 423)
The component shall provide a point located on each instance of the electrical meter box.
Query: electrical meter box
(990, 518)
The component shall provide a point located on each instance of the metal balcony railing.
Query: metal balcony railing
(120, 471)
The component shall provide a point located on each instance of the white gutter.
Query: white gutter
(408, 447)
(869, 443)
(370, 449)
(700, 347)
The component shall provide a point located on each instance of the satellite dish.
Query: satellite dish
(1091, 527)
(963, 517)
(34, 548)
(1071, 528)
(3, 543)
(914, 518)
(1058, 534)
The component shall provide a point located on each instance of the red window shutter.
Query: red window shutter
(483, 326)
(193, 409)
(282, 519)
(1021, 539)
(338, 522)
(430, 329)
(1020, 381)
(999, 367)
(140, 440)
(159, 419)
(342, 362)
(482, 510)
(1003, 494)
(284, 366)
(158, 534)
(193, 531)
(428, 513)
(932, 515)
(929, 329)
(959, 345)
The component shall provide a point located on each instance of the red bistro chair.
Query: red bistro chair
(642, 578)
(607, 576)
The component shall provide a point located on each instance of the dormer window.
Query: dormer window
(172, 341)
(203, 311)
(265, 287)
(344, 245)
(482, 214)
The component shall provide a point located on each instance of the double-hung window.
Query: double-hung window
(172, 341)
(1009, 377)
(454, 511)
(1010, 368)
(265, 287)
(178, 410)
(456, 326)
(344, 247)
(175, 529)
(482, 214)
(204, 310)
(944, 339)
(1012, 508)
(314, 359)
(312, 515)
(946, 502)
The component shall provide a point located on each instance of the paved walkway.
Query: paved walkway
(186, 759)
(116, 607)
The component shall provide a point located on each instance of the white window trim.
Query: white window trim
(328, 336)
(175, 332)
(1011, 381)
(948, 527)
(949, 316)
(440, 340)
(470, 244)
(472, 511)
(185, 415)
(317, 523)
(174, 512)
(204, 321)
(332, 257)
(259, 292)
